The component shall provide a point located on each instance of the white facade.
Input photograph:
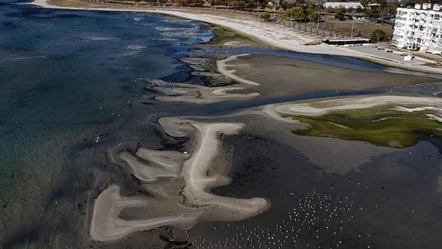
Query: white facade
(419, 28)
(345, 5)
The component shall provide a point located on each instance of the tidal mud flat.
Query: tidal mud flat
(318, 187)
(182, 200)
(200, 163)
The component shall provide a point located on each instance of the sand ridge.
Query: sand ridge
(162, 163)
(194, 170)
(183, 201)
(106, 225)
(182, 92)
(324, 106)
(222, 68)
(202, 94)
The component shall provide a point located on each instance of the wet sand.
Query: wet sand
(317, 164)
(268, 76)
(310, 179)
(327, 192)
(280, 76)
(184, 199)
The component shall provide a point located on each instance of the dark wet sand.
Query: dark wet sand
(390, 201)
(382, 198)
(283, 76)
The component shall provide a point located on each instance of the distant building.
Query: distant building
(374, 6)
(346, 5)
(419, 28)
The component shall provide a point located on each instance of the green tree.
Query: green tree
(340, 13)
(330, 10)
(241, 4)
(367, 12)
(233, 3)
(308, 11)
(392, 9)
(378, 35)
(283, 4)
(250, 5)
(197, 3)
(296, 13)
(266, 16)
(381, 2)
(375, 13)
(313, 17)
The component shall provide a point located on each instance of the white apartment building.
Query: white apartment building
(345, 5)
(419, 28)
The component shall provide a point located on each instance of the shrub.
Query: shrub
(378, 35)
(266, 16)
(313, 17)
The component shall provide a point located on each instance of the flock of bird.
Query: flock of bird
(315, 220)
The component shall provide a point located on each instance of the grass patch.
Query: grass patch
(225, 34)
(379, 126)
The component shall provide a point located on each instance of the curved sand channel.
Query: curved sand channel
(203, 94)
(182, 201)
(324, 106)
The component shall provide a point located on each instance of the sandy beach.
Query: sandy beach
(268, 33)
(322, 107)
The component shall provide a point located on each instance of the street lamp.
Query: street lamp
(276, 5)
(319, 16)
(317, 22)
(291, 18)
(352, 26)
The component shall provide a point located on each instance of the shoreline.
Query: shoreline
(267, 33)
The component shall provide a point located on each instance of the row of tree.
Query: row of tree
(299, 9)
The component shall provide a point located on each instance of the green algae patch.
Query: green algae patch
(224, 34)
(380, 126)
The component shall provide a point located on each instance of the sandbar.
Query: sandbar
(322, 107)
(185, 198)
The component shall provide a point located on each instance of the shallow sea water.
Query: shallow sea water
(67, 80)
